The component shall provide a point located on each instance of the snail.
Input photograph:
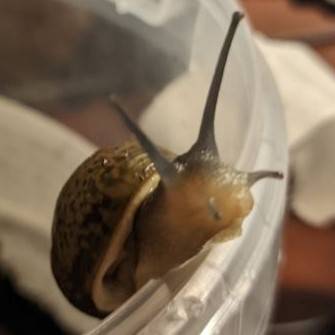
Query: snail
(132, 213)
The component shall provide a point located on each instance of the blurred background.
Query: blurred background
(29, 54)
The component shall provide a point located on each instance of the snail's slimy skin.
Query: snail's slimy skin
(182, 220)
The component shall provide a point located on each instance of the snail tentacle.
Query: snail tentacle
(206, 139)
(165, 168)
(254, 177)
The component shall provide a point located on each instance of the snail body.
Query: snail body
(132, 213)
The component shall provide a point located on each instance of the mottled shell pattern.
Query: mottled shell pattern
(89, 208)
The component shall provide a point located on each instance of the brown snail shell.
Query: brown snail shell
(99, 201)
(123, 218)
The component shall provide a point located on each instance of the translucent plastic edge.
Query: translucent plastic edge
(273, 128)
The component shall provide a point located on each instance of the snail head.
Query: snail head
(198, 194)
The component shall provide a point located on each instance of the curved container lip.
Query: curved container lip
(226, 273)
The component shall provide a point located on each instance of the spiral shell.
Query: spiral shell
(98, 203)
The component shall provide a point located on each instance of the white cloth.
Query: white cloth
(37, 155)
(307, 88)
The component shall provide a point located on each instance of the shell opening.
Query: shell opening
(108, 288)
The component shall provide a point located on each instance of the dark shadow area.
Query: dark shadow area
(303, 312)
(324, 5)
(20, 315)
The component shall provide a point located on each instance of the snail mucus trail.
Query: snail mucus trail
(130, 214)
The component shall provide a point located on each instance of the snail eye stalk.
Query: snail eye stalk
(206, 138)
(165, 168)
(254, 177)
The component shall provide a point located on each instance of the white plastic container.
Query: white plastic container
(228, 290)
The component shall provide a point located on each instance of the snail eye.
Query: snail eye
(213, 211)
